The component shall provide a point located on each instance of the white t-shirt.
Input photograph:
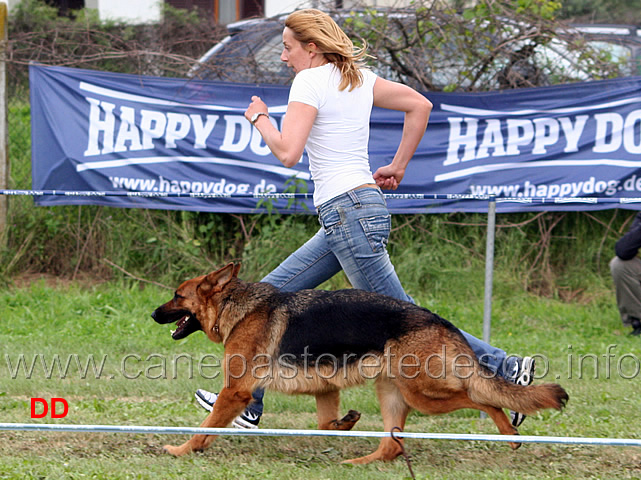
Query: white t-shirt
(337, 143)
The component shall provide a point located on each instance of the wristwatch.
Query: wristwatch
(255, 117)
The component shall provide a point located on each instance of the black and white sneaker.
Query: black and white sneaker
(206, 399)
(523, 374)
(246, 419)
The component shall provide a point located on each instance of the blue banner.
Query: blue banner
(106, 132)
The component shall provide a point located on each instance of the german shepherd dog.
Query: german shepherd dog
(318, 342)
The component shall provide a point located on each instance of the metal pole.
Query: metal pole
(489, 274)
(4, 158)
(489, 270)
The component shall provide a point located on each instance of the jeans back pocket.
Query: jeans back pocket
(377, 230)
(329, 220)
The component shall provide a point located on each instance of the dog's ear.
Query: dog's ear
(216, 281)
(236, 269)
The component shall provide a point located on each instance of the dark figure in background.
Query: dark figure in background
(626, 273)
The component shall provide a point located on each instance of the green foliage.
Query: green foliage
(181, 17)
(485, 45)
(602, 11)
(33, 15)
(292, 186)
(37, 33)
(273, 240)
(545, 9)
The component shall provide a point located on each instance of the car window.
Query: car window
(268, 54)
(620, 54)
(247, 56)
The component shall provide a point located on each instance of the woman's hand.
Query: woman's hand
(256, 106)
(388, 177)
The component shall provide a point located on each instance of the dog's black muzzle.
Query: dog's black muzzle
(186, 322)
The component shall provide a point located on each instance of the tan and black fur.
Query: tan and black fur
(318, 342)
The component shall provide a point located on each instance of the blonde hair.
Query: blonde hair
(313, 26)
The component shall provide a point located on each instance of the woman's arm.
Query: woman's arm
(417, 108)
(286, 145)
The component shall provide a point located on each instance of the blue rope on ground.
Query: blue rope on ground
(271, 432)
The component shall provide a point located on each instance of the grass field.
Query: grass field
(140, 376)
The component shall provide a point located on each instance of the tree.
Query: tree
(491, 45)
(602, 11)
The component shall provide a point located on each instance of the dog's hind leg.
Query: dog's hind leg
(229, 404)
(463, 401)
(452, 401)
(394, 410)
(502, 422)
(327, 406)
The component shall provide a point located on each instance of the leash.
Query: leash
(400, 444)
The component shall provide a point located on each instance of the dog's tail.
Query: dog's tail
(500, 393)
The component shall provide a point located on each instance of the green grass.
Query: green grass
(139, 385)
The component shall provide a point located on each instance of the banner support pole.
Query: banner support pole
(489, 270)
(489, 274)
(4, 157)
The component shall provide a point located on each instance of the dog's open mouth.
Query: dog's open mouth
(186, 321)
(187, 325)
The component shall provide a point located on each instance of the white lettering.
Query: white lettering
(458, 139)
(231, 141)
(128, 131)
(152, 125)
(514, 136)
(573, 132)
(609, 133)
(632, 132)
(546, 133)
(264, 187)
(96, 125)
(178, 126)
(492, 138)
(202, 131)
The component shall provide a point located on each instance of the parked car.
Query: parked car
(621, 42)
(582, 53)
(412, 50)
(250, 53)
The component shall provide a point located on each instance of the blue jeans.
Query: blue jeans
(355, 227)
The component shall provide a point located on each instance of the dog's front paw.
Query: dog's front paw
(184, 449)
(348, 421)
